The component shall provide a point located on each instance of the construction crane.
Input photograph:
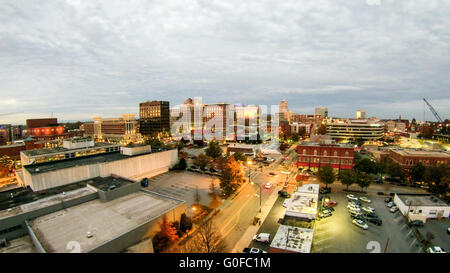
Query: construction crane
(436, 115)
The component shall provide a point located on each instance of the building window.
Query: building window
(315, 152)
(324, 153)
(304, 151)
(335, 153)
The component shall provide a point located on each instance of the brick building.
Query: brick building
(408, 158)
(45, 129)
(313, 155)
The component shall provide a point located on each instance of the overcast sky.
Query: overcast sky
(79, 59)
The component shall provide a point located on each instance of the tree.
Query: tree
(180, 145)
(322, 129)
(197, 196)
(232, 177)
(363, 180)
(202, 160)
(166, 235)
(295, 137)
(418, 172)
(347, 177)
(326, 175)
(240, 156)
(181, 165)
(214, 151)
(185, 223)
(207, 239)
(366, 165)
(359, 141)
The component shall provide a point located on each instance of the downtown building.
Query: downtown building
(113, 130)
(348, 130)
(316, 154)
(408, 158)
(154, 118)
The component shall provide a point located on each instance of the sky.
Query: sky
(78, 59)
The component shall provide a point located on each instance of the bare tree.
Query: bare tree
(197, 196)
(207, 239)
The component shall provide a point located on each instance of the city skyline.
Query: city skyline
(83, 59)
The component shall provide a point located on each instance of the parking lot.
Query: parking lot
(337, 234)
(183, 185)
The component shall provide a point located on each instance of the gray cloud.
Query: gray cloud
(78, 59)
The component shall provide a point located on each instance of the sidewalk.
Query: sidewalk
(247, 237)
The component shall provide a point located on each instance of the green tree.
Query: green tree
(185, 223)
(326, 175)
(214, 150)
(240, 156)
(366, 165)
(359, 141)
(322, 129)
(202, 160)
(363, 180)
(295, 137)
(347, 177)
(418, 172)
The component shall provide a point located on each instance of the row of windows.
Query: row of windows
(75, 154)
(325, 160)
(325, 153)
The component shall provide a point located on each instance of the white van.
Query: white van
(262, 237)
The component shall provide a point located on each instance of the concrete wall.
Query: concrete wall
(152, 164)
(106, 196)
(34, 239)
(422, 212)
(144, 231)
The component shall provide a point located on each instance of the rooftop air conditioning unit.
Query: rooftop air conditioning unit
(89, 234)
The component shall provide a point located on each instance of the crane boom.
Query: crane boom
(436, 115)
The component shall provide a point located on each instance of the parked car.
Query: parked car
(368, 209)
(253, 250)
(327, 211)
(268, 185)
(351, 197)
(262, 237)
(417, 223)
(286, 202)
(273, 174)
(352, 206)
(365, 199)
(323, 214)
(328, 208)
(377, 221)
(393, 209)
(448, 230)
(325, 190)
(360, 223)
(353, 209)
(355, 202)
(390, 204)
(354, 214)
(435, 249)
(388, 200)
(144, 182)
(370, 215)
(284, 194)
(330, 203)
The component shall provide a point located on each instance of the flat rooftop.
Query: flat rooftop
(20, 245)
(77, 161)
(304, 202)
(103, 183)
(418, 153)
(425, 200)
(21, 196)
(293, 239)
(105, 220)
(45, 201)
(59, 150)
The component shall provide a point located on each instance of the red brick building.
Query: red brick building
(45, 129)
(408, 158)
(314, 155)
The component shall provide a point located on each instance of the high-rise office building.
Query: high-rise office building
(321, 111)
(154, 117)
(284, 111)
(361, 114)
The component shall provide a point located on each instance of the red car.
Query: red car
(330, 203)
(268, 185)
